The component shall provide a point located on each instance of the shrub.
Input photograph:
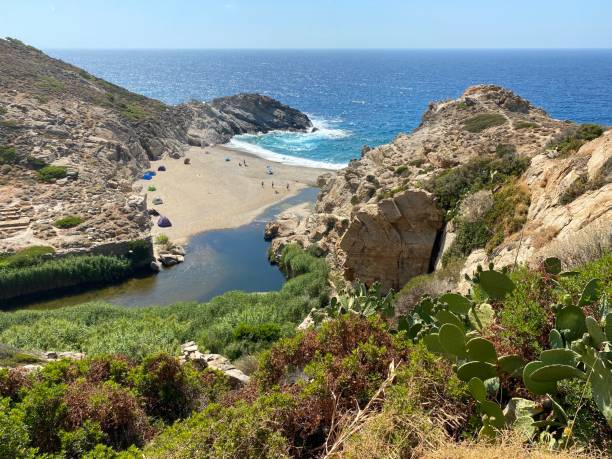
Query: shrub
(400, 169)
(570, 143)
(49, 174)
(241, 430)
(134, 112)
(170, 391)
(139, 250)
(14, 438)
(484, 121)
(576, 189)
(162, 239)
(526, 317)
(44, 415)
(267, 332)
(525, 125)
(76, 443)
(8, 155)
(507, 215)
(114, 408)
(479, 173)
(68, 222)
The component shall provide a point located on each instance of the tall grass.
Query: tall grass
(99, 328)
(62, 272)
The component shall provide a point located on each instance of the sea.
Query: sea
(357, 97)
(354, 98)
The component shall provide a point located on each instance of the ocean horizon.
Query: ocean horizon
(357, 97)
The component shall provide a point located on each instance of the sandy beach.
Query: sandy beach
(212, 193)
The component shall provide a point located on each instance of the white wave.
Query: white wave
(264, 153)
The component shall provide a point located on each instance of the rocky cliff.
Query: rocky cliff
(100, 136)
(386, 216)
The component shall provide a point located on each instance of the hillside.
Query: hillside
(71, 145)
(487, 173)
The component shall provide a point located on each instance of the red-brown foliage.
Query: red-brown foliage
(115, 408)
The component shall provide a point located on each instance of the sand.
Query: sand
(211, 193)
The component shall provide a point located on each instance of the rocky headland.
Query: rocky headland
(395, 213)
(72, 146)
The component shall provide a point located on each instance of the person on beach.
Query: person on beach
(287, 187)
(262, 184)
(272, 184)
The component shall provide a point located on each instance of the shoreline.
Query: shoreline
(211, 193)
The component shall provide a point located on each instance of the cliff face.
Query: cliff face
(52, 113)
(377, 221)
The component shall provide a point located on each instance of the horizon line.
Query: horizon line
(324, 49)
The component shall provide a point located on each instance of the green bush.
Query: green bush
(162, 239)
(525, 125)
(572, 142)
(526, 317)
(134, 112)
(68, 222)
(44, 415)
(8, 155)
(14, 438)
(576, 189)
(49, 174)
(170, 391)
(506, 216)
(487, 172)
(484, 121)
(400, 169)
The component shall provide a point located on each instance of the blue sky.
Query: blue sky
(308, 23)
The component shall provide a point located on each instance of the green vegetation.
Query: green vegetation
(506, 216)
(101, 328)
(134, 112)
(106, 403)
(68, 222)
(12, 124)
(486, 172)
(8, 155)
(451, 367)
(525, 125)
(484, 121)
(25, 257)
(162, 239)
(49, 174)
(400, 170)
(49, 83)
(570, 143)
(62, 272)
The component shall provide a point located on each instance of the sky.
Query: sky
(108, 24)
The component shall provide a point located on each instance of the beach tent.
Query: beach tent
(151, 188)
(153, 212)
(157, 201)
(186, 161)
(164, 222)
(227, 158)
(161, 168)
(147, 176)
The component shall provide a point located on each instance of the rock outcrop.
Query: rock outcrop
(376, 221)
(101, 137)
(191, 353)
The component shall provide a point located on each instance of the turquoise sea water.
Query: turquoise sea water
(358, 97)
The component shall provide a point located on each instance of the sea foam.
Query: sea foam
(291, 147)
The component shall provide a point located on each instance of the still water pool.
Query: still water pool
(216, 262)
